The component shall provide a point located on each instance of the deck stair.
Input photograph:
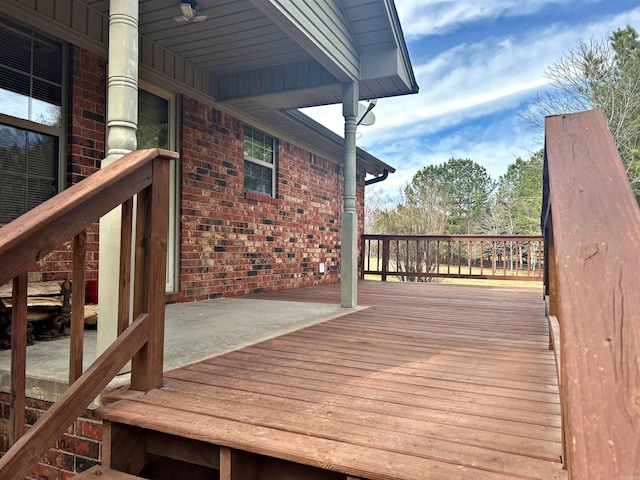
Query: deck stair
(141, 443)
(143, 174)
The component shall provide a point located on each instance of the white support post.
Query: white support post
(122, 119)
(349, 248)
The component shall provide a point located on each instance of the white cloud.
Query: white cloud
(494, 145)
(455, 83)
(471, 75)
(430, 17)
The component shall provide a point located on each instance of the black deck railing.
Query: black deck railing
(421, 257)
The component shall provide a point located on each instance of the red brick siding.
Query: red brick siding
(231, 243)
(234, 243)
(86, 119)
(76, 451)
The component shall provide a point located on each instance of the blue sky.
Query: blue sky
(476, 62)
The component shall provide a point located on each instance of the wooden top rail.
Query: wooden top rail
(29, 238)
(592, 228)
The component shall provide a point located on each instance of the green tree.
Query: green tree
(463, 189)
(626, 45)
(515, 207)
(519, 194)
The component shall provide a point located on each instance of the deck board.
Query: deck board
(432, 381)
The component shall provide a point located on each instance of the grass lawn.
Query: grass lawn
(473, 281)
(493, 283)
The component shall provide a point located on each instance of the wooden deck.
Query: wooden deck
(432, 381)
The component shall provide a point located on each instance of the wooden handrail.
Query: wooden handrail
(29, 238)
(28, 450)
(33, 235)
(591, 224)
(411, 257)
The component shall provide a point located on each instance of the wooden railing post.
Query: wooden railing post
(18, 357)
(124, 289)
(364, 253)
(151, 257)
(76, 353)
(385, 258)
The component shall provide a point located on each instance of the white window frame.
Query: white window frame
(272, 166)
(173, 239)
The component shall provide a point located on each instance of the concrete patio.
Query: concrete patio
(193, 332)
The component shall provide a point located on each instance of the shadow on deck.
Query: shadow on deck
(432, 381)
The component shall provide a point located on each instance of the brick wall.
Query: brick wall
(235, 243)
(76, 451)
(86, 114)
(231, 243)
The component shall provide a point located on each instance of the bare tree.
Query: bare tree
(601, 74)
(376, 201)
(417, 212)
(420, 213)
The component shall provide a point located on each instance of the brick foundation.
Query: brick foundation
(76, 451)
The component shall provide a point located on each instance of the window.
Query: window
(259, 163)
(153, 121)
(28, 161)
(31, 78)
(156, 129)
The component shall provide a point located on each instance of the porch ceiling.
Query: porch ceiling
(236, 36)
(266, 57)
(255, 58)
(263, 57)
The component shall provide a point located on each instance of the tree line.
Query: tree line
(459, 196)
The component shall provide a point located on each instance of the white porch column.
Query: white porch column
(349, 249)
(122, 119)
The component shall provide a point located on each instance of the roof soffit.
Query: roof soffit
(323, 32)
(272, 59)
